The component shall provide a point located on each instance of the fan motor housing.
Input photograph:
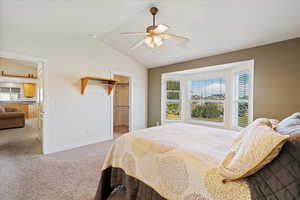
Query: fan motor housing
(150, 28)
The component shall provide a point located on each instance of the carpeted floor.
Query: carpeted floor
(25, 174)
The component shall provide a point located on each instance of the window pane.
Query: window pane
(4, 96)
(4, 90)
(15, 90)
(173, 95)
(173, 85)
(15, 93)
(243, 86)
(173, 111)
(14, 96)
(243, 114)
(208, 111)
(211, 89)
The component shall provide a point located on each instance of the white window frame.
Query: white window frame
(11, 94)
(164, 101)
(235, 99)
(229, 76)
(198, 77)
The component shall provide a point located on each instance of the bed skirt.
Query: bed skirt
(111, 178)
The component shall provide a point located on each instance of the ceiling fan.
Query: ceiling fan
(155, 34)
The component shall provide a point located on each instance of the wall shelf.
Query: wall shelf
(110, 83)
(31, 76)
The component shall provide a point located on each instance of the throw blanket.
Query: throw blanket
(176, 161)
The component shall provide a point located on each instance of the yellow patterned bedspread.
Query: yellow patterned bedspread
(179, 161)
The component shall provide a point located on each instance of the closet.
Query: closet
(121, 104)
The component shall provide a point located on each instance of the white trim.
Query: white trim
(203, 122)
(43, 63)
(249, 68)
(131, 82)
(164, 99)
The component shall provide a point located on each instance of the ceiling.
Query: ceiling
(213, 26)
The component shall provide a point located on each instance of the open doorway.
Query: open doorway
(121, 105)
(21, 104)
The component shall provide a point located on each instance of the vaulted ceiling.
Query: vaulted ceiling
(213, 26)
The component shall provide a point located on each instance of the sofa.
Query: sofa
(11, 118)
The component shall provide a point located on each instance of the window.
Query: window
(173, 100)
(207, 100)
(7, 94)
(241, 101)
(218, 95)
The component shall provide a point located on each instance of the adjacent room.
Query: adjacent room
(149, 100)
(21, 104)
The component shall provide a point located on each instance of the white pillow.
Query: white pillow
(259, 145)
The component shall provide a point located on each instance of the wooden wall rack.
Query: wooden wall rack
(110, 83)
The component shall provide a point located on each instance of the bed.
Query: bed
(181, 162)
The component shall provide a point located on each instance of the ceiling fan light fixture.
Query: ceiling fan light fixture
(153, 41)
(158, 44)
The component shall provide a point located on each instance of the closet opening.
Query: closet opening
(121, 105)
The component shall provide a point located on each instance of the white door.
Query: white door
(41, 112)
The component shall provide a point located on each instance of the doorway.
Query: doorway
(24, 76)
(121, 105)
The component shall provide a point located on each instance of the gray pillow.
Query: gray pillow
(290, 126)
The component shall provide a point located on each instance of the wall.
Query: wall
(75, 120)
(276, 78)
(16, 68)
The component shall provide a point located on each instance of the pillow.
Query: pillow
(259, 145)
(2, 109)
(257, 122)
(274, 122)
(290, 125)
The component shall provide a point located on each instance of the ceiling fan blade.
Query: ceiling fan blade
(136, 45)
(161, 28)
(135, 34)
(168, 36)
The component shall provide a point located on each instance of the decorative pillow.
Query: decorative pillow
(290, 125)
(257, 122)
(274, 122)
(259, 145)
(2, 109)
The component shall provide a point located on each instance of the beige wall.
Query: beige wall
(16, 68)
(276, 78)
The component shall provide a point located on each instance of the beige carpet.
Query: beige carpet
(27, 175)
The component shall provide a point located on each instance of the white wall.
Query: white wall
(76, 120)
